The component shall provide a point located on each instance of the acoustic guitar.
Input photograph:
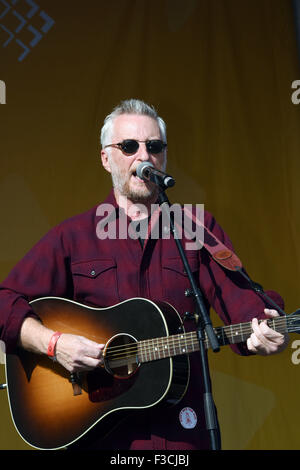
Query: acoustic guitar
(145, 364)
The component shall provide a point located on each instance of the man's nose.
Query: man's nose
(142, 153)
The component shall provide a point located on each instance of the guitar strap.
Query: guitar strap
(229, 260)
(220, 253)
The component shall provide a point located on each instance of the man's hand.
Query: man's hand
(264, 340)
(77, 353)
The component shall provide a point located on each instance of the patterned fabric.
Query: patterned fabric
(72, 262)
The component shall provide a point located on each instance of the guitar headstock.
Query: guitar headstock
(293, 322)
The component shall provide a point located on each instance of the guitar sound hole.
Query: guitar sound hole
(120, 356)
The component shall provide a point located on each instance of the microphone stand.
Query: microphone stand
(204, 325)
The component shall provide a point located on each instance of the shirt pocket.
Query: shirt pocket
(175, 278)
(95, 282)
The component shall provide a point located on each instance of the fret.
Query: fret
(196, 341)
(249, 329)
(145, 351)
(157, 352)
(174, 348)
(151, 353)
(241, 330)
(139, 353)
(233, 334)
(181, 344)
(185, 343)
(141, 357)
(286, 325)
(206, 341)
(228, 335)
(175, 345)
(149, 350)
(168, 346)
(223, 336)
(178, 344)
(153, 350)
(192, 342)
(236, 334)
(280, 324)
(156, 349)
(160, 347)
(274, 324)
(165, 347)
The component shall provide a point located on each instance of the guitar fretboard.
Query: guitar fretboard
(186, 343)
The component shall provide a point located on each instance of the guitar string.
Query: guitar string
(179, 338)
(187, 339)
(229, 330)
(158, 349)
(151, 348)
(162, 352)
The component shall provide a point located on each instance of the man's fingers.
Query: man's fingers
(264, 340)
(92, 349)
(77, 353)
(264, 332)
(271, 312)
(258, 334)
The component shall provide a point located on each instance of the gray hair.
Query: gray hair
(132, 106)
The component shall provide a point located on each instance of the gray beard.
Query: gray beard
(120, 183)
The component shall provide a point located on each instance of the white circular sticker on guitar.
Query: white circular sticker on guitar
(188, 418)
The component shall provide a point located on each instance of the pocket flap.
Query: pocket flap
(175, 264)
(93, 268)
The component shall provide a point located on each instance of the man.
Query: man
(72, 261)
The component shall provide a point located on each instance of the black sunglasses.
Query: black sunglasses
(130, 146)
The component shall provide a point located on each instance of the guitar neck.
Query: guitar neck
(186, 343)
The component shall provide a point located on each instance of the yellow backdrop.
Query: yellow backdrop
(220, 73)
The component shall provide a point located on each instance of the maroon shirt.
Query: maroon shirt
(72, 262)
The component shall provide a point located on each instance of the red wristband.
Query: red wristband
(52, 344)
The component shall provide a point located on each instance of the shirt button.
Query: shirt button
(93, 272)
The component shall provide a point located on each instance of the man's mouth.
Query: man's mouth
(137, 177)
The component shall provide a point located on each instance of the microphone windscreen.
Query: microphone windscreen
(140, 168)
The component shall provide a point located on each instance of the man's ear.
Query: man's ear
(105, 161)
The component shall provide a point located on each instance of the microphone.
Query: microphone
(147, 172)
